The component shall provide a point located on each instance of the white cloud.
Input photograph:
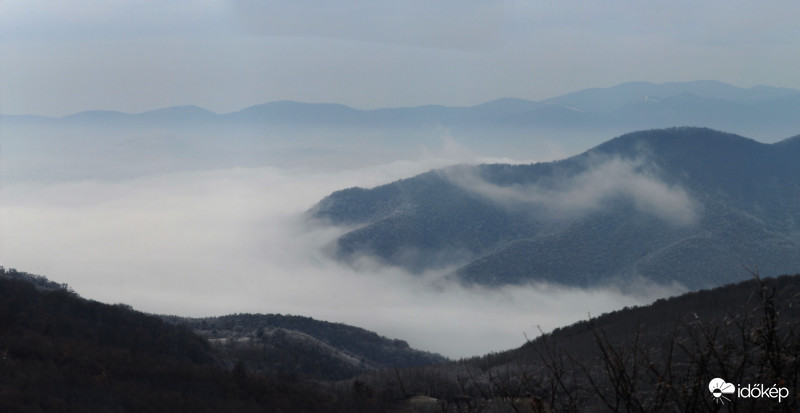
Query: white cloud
(605, 181)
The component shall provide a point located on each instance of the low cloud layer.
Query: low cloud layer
(604, 182)
(225, 241)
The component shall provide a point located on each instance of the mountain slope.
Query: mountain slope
(302, 346)
(61, 352)
(659, 357)
(684, 205)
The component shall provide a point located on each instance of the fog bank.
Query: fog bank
(233, 240)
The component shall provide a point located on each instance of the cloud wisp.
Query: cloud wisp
(595, 189)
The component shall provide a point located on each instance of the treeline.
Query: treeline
(41, 282)
(303, 347)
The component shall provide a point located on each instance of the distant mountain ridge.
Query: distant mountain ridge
(114, 145)
(685, 205)
(587, 100)
(604, 99)
(624, 107)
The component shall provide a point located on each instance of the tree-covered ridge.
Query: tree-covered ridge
(655, 358)
(41, 282)
(304, 347)
(64, 353)
(61, 352)
(689, 205)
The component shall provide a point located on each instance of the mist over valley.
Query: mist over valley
(188, 212)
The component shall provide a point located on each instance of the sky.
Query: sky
(60, 58)
(218, 241)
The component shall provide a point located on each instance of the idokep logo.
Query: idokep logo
(720, 389)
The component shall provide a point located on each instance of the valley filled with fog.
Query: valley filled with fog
(188, 212)
(226, 240)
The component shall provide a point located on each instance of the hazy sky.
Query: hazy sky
(58, 58)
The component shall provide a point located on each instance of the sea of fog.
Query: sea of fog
(234, 240)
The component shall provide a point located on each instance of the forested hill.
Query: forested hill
(686, 205)
(304, 347)
(741, 303)
(654, 358)
(62, 352)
